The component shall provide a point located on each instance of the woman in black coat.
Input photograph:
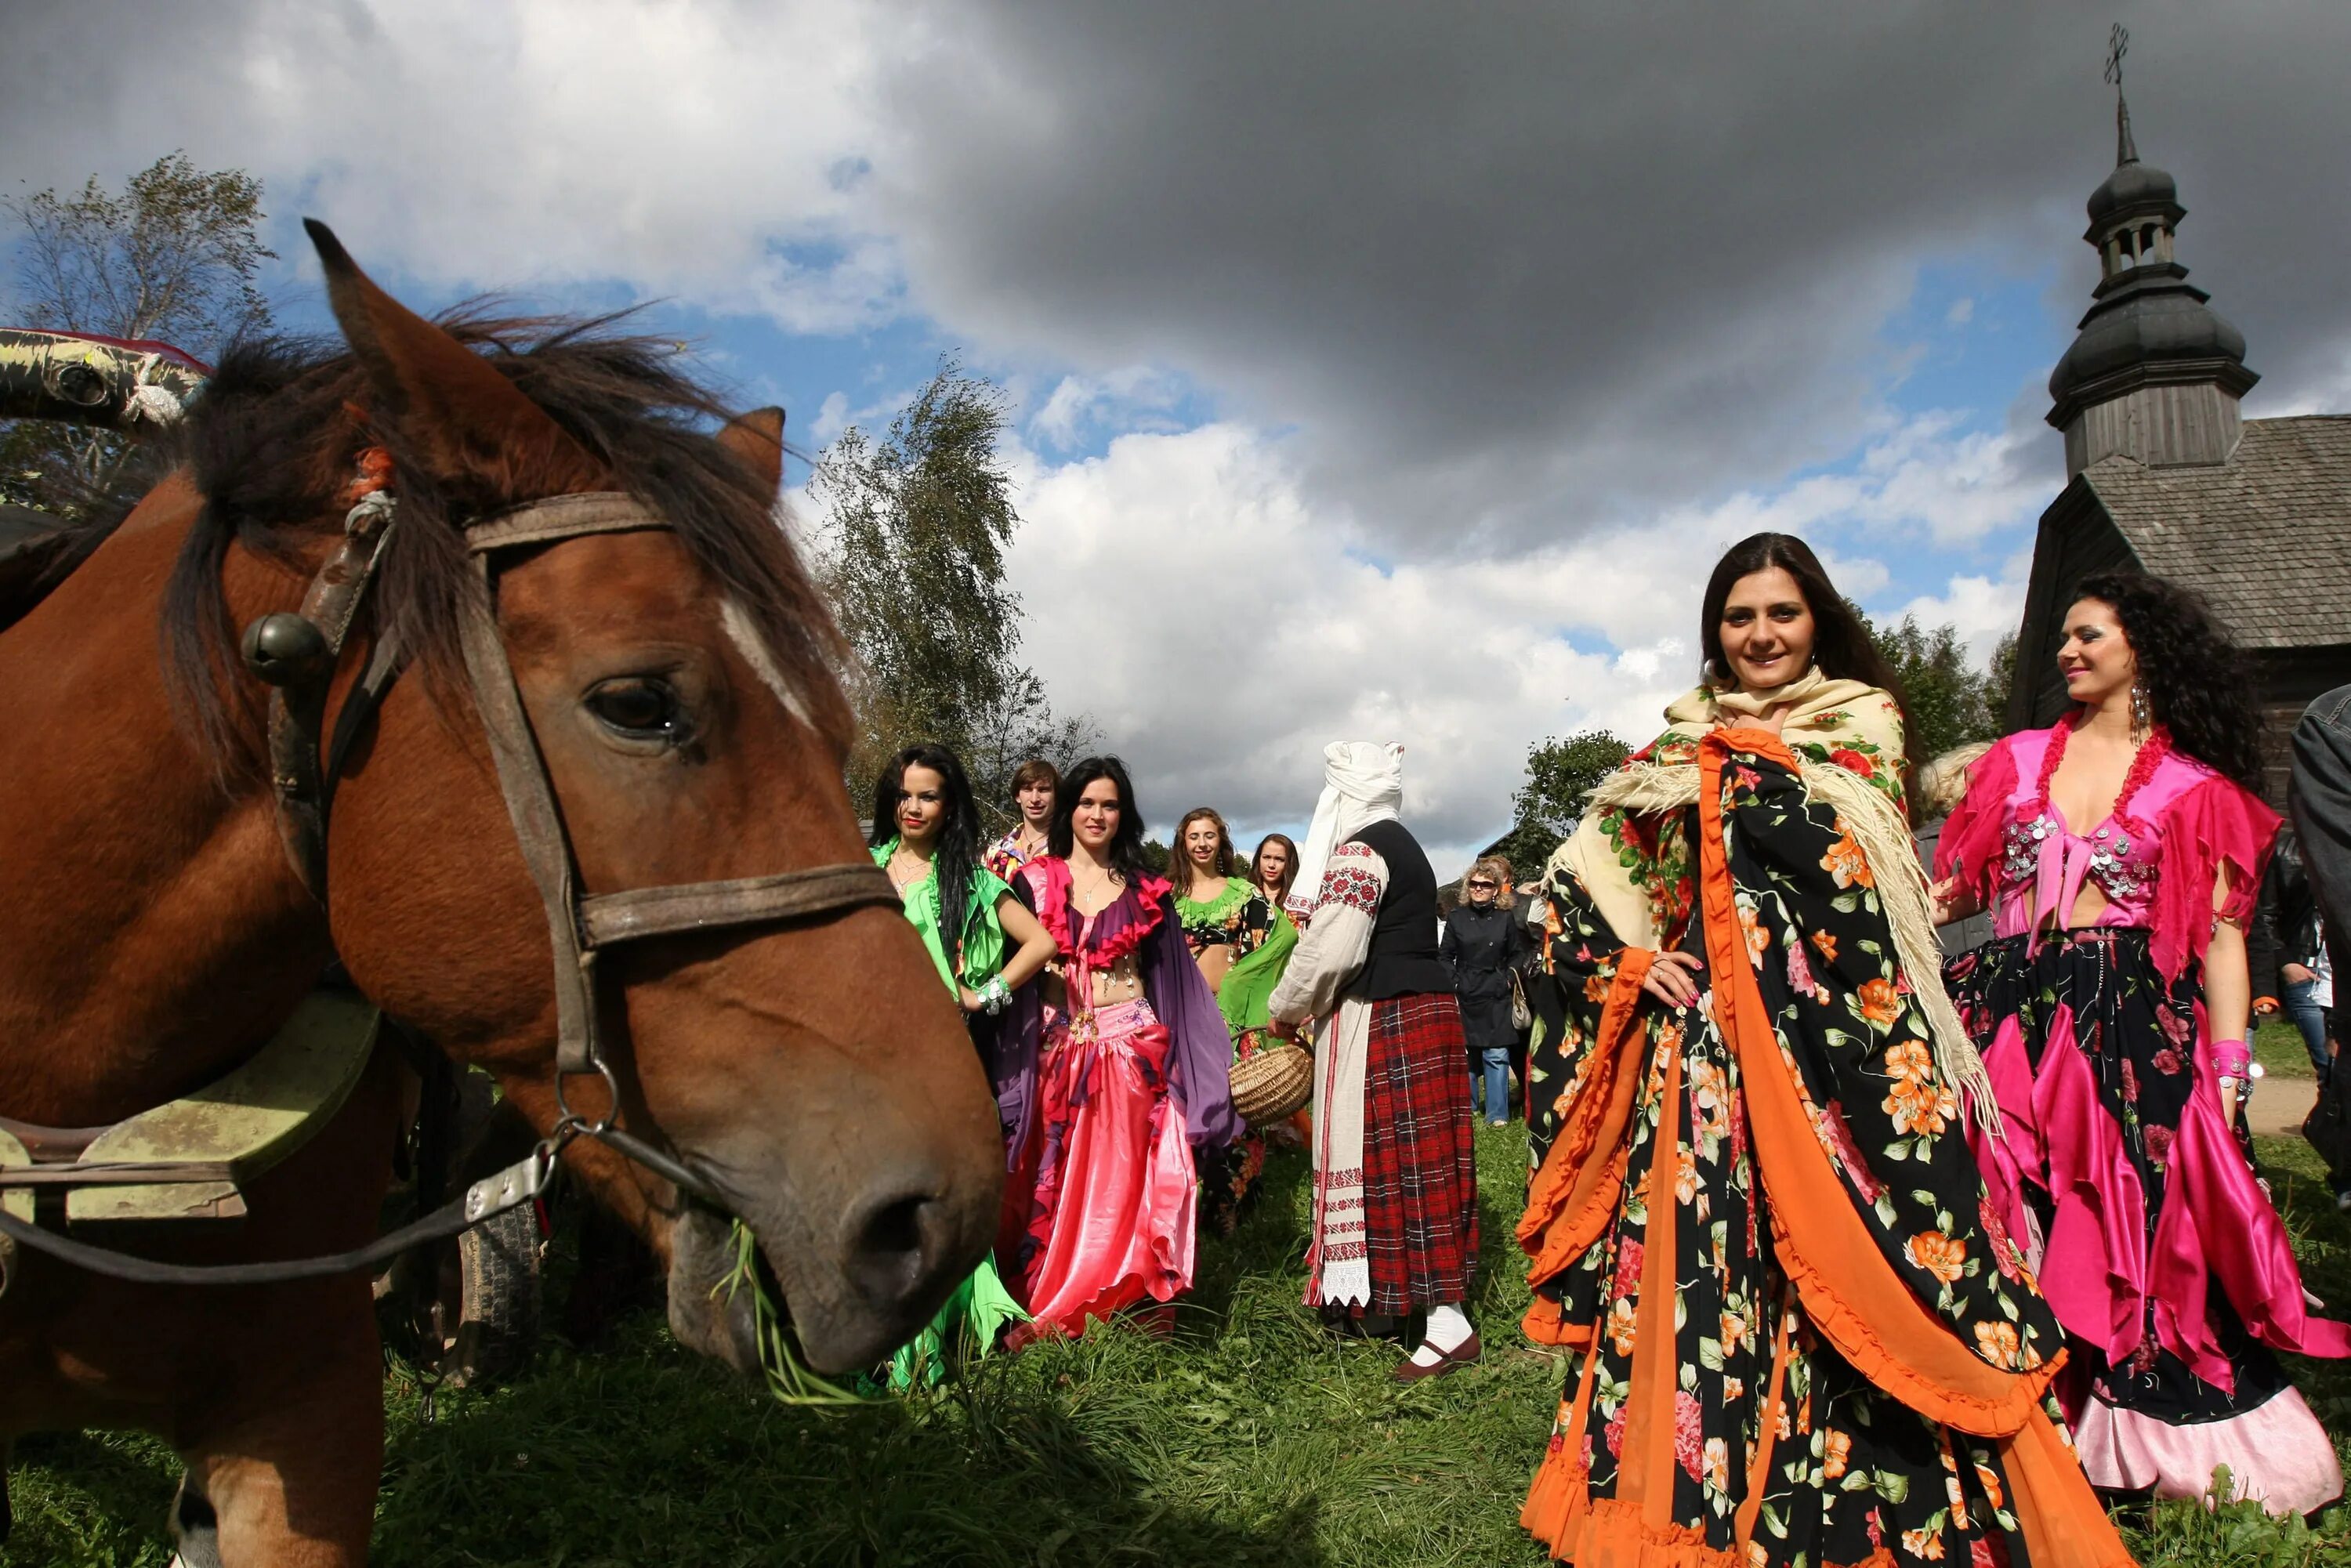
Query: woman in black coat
(1485, 941)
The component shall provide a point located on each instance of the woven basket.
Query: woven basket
(1273, 1083)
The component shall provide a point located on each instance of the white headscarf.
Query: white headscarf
(1362, 783)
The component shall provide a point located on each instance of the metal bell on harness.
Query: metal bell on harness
(285, 649)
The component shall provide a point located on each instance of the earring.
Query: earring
(2140, 721)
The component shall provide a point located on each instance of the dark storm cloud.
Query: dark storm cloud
(1521, 265)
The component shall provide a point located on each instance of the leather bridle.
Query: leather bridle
(298, 655)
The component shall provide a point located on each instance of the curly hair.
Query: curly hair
(2200, 686)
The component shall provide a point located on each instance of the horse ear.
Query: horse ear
(758, 438)
(463, 419)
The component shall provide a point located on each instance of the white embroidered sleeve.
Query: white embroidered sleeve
(1338, 936)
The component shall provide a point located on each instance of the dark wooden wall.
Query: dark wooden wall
(2292, 679)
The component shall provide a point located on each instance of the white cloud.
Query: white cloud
(1959, 486)
(1220, 623)
(1183, 589)
(1132, 397)
(1962, 311)
(832, 418)
(1983, 608)
(686, 149)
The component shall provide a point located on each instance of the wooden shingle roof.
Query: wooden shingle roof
(2266, 535)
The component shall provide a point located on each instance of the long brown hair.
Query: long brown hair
(1177, 856)
(1288, 867)
(1842, 645)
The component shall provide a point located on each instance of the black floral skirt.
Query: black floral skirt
(2097, 991)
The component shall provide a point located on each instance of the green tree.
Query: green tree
(917, 526)
(173, 256)
(1559, 773)
(1008, 733)
(1952, 702)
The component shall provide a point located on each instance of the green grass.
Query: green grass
(2277, 1046)
(1253, 1439)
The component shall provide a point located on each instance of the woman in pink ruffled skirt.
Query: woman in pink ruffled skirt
(1110, 1074)
(2120, 854)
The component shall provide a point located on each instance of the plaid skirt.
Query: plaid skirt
(1420, 1164)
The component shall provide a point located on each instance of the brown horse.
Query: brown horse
(153, 929)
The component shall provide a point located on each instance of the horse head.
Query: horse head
(679, 687)
(677, 684)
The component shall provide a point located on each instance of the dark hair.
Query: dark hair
(1288, 867)
(1179, 855)
(1842, 645)
(2198, 684)
(1126, 843)
(1036, 770)
(955, 860)
(272, 444)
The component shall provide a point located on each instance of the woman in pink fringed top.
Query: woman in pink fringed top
(2120, 854)
(1111, 1073)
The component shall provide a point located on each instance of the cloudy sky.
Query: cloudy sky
(1381, 371)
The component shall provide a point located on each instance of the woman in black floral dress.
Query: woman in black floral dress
(1796, 1335)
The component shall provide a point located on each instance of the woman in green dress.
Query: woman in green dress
(925, 835)
(1240, 940)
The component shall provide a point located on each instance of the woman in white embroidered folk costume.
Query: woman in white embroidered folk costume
(1395, 1179)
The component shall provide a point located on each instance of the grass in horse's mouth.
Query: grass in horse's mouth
(789, 1379)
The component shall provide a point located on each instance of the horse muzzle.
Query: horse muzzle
(860, 1280)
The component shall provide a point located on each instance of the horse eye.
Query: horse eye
(638, 708)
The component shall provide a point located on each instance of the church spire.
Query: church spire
(2155, 373)
(2117, 45)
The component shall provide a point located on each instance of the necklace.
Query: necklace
(1099, 897)
(906, 870)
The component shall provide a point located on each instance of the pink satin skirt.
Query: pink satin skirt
(1112, 1220)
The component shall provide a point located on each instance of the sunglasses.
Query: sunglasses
(1489, 886)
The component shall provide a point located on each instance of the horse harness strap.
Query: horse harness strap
(299, 655)
(579, 928)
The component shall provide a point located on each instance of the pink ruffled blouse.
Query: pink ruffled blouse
(2156, 855)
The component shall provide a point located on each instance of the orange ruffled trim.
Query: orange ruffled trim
(1853, 1297)
(1574, 1196)
(1546, 1323)
(1608, 1533)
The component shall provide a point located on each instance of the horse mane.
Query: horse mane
(274, 442)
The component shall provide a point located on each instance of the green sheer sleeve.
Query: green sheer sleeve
(1249, 984)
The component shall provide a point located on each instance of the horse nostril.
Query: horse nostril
(889, 1252)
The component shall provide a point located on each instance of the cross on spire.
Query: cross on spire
(2117, 45)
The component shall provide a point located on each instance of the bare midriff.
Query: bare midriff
(1122, 981)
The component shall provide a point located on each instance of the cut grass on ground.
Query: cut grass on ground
(1254, 1438)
